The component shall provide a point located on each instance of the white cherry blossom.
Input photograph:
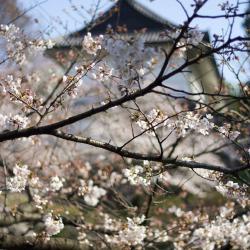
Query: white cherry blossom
(92, 193)
(52, 226)
(56, 183)
(133, 233)
(20, 179)
(92, 45)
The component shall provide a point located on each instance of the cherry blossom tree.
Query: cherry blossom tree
(143, 165)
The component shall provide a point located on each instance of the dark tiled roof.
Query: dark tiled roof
(128, 13)
(149, 37)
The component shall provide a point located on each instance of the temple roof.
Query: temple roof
(126, 13)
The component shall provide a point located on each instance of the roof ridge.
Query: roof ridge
(135, 6)
(150, 37)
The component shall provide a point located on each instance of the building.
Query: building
(128, 17)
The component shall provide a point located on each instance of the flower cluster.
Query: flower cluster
(10, 84)
(223, 231)
(16, 43)
(110, 223)
(91, 192)
(138, 175)
(40, 202)
(102, 73)
(115, 179)
(13, 122)
(56, 183)
(134, 60)
(176, 211)
(209, 174)
(226, 132)
(83, 188)
(82, 236)
(156, 235)
(12, 87)
(40, 45)
(52, 226)
(183, 125)
(234, 191)
(133, 233)
(191, 121)
(151, 121)
(20, 179)
(73, 83)
(196, 230)
(23, 177)
(92, 45)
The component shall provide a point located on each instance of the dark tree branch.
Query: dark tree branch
(139, 93)
(149, 157)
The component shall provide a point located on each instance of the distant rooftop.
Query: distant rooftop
(129, 15)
